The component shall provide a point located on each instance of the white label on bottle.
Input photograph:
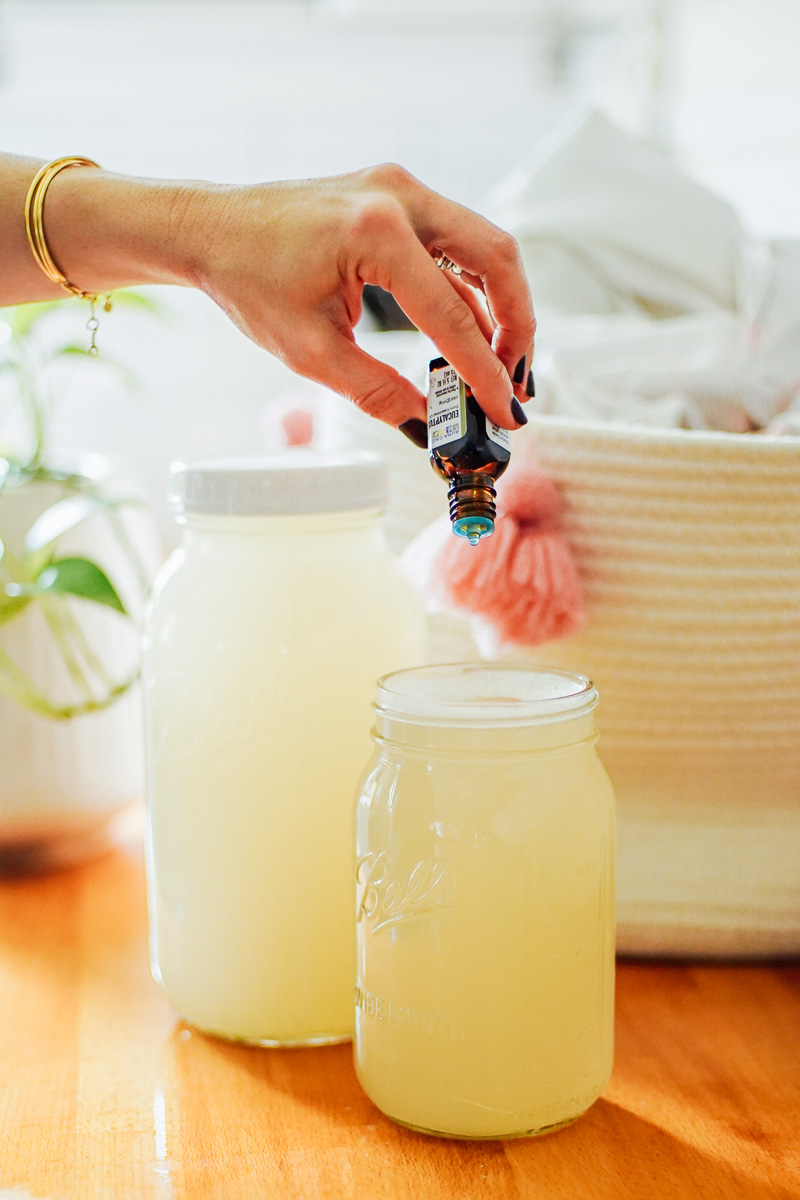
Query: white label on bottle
(498, 435)
(447, 407)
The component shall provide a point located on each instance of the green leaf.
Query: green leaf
(63, 516)
(80, 577)
(59, 519)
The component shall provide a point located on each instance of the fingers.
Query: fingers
(470, 290)
(476, 302)
(492, 256)
(377, 389)
(441, 311)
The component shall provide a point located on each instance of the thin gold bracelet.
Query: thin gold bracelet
(34, 227)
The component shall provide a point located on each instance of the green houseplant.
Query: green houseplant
(76, 553)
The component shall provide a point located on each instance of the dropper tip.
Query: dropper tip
(473, 528)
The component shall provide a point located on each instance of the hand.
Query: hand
(288, 261)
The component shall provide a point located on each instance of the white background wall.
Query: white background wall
(457, 91)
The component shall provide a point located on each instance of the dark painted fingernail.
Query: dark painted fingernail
(517, 413)
(519, 374)
(530, 386)
(416, 431)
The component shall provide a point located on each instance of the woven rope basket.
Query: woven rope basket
(688, 545)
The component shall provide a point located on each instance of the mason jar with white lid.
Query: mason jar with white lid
(485, 902)
(267, 630)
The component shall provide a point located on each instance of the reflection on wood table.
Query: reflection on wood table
(104, 1093)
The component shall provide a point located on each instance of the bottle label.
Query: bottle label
(447, 411)
(447, 407)
(501, 437)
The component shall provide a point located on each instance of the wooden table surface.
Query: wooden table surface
(105, 1093)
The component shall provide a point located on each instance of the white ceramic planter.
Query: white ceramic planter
(688, 545)
(63, 782)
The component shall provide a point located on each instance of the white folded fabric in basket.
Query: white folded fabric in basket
(654, 304)
(610, 224)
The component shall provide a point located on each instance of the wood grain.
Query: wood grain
(106, 1094)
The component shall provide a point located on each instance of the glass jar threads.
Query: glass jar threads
(485, 902)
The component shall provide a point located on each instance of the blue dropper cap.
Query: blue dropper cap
(473, 528)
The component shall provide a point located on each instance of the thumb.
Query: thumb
(374, 387)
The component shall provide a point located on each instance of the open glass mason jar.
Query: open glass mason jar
(485, 902)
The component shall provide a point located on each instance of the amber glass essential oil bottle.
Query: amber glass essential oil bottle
(466, 449)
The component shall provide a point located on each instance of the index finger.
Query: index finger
(492, 256)
(435, 307)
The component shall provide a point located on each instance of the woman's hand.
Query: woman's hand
(288, 261)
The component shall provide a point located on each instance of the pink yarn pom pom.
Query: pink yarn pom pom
(522, 579)
(298, 427)
(530, 497)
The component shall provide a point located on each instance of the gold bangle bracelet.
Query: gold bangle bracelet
(34, 227)
(34, 222)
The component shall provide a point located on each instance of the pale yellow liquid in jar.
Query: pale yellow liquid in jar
(260, 666)
(485, 937)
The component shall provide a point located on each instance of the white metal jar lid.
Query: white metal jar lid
(483, 695)
(295, 482)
